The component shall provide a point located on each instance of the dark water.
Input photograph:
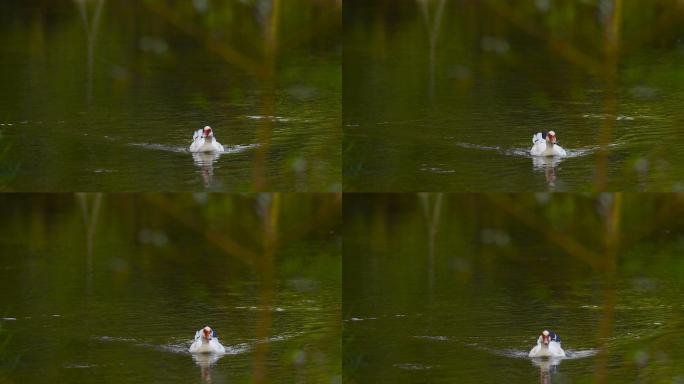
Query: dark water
(105, 96)
(118, 297)
(458, 289)
(446, 95)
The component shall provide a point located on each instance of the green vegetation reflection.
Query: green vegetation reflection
(109, 93)
(111, 288)
(444, 288)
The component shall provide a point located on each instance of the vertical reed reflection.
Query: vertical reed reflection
(610, 66)
(612, 214)
(90, 28)
(270, 206)
(432, 209)
(90, 210)
(268, 103)
(432, 23)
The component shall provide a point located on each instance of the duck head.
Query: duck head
(551, 137)
(207, 132)
(546, 337)
(207, 333)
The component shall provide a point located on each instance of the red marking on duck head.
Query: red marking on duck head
(551, 137)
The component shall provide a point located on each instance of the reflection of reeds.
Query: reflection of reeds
(432, 212)
(224, 230)
(219, 239)
(267, 96)
(604, 261)
(569, 244)
(266, 268)
(263, 69)
(562, 48)
(607, 69)
(91, 34)
(222, 49)
(90, 212)
(612, 243)
(612, 43)
(432, 24)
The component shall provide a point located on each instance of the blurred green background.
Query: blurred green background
(457, 287)
(111, 288)
(446, 95)
(105, 95)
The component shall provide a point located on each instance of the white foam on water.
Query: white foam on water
(413, 366)
(438, 338)
(580, 354)
(237, 348)
(182, 347)
(426, 168)
(611, 117)
(161, 147)
(570, 354)
(177, 149)
(227, 149)
(517, 353)
(279, 119)
(525, 152)
(238, 148)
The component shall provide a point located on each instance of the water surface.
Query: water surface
(446, 95)
(114, 291)
(105, 96)
(458, 288)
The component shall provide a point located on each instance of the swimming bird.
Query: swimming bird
(544, 144)
(548, 345)
(206, 341)
(204, 141)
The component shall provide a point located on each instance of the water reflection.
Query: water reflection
(90, 25)
(205, 161)
(547, 368)
(432, 23)
(121, 276)
(548, 165)
(205, 361)
(492, 267)
(78, 67)
(89, 212)
(488, 73)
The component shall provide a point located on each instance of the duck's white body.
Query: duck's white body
(544, 144)
(548, 345)
(206, 342)
(203, 140)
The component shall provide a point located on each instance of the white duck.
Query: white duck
(548, 345)
(206, 342)
(204, 141)
(544, 144)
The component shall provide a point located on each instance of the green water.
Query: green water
(458, 290)
(114, 291)
(446, 95)
(106, 96)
